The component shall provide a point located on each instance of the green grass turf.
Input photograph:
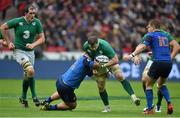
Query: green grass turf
(89, 103)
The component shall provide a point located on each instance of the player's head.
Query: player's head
(30, 12)
(153, 25)
(92, 39)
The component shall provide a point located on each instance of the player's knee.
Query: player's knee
(101, 88)
(119, 76)
(30, 72)
(101, 85)
(28, 68)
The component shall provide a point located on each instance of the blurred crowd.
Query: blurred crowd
(121, 22)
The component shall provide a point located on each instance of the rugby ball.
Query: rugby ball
(102, 59)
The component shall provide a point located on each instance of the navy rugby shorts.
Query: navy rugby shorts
(160, 69)
(66, 92)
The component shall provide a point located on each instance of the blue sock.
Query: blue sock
(165, 93)
(49, 100)
(149, 98)
(53, 107)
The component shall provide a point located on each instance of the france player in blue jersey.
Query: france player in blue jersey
(67, 83)
(159, 43)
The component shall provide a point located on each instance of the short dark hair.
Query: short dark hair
(92, 37)
(28, 7)
(155, 23)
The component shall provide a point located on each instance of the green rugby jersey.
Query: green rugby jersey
(1, 37)
(104, 48)
(25, 32)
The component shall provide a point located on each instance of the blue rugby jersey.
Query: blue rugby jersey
(77, 72)
(159, 43)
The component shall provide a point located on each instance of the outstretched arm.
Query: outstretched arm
(137, 51)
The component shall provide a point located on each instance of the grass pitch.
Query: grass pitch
(89, 103)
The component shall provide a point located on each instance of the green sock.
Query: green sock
(104, 97)
(126, 85)
(160, 97)
(25, 86)
(32, 86)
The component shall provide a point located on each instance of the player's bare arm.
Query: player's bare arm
(175, 48)
(40, 40)
(138, 50)
(4, 29)
(112, 61)
(137, 59)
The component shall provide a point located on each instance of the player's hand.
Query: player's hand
(137, 60)
(95, 72)
(4, 43)
(30, 46)
(96, 65)
(150, 53)
(11, 46)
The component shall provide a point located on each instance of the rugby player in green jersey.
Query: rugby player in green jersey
(95, 46)
(28, 35)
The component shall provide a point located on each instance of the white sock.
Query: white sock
(133, 97)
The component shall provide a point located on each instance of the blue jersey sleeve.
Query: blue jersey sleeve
(88, 63)
(147, 39)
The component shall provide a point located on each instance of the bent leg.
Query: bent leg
(126, 85)
(102, 90)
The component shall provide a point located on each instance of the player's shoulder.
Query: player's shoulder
(18, 19)
(165, 32)
(149, 34)
(37, 20)
(103, 42)
(85, 45)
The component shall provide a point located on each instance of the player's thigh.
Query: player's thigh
(65, 92)
(23, 56)
(154, 72)
(145, 74)
(101, 81)
(166, 69)
(146, 69)
(159, 69)
(116, 71)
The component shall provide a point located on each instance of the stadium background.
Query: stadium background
(121, 22)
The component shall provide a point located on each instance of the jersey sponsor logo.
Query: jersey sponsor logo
(100, 51)
(33, 23)
(89, 51)
(21, 23)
